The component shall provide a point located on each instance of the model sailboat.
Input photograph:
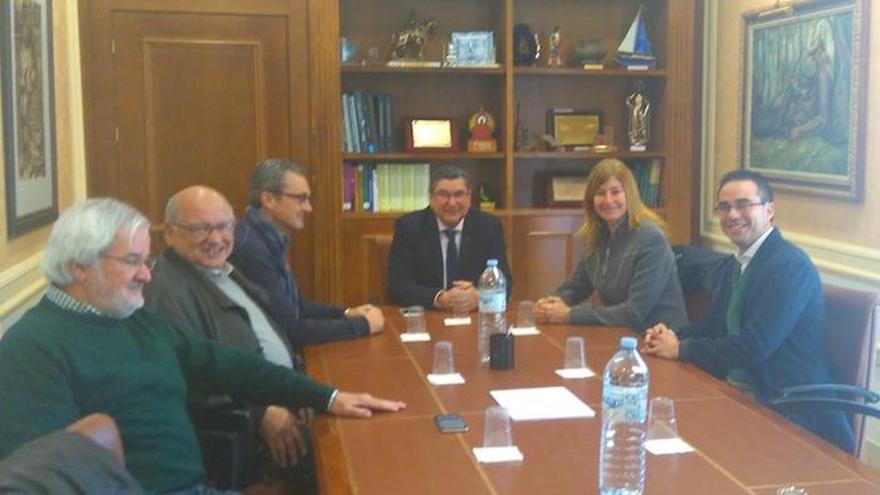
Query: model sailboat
(634, 51)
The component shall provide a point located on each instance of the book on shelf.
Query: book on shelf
(366, 122)
(351, 124)
(654, 183)
(346, 135)
(647, 176)
(385, 187)
(349, 180)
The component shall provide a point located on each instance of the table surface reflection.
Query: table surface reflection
(741, 447)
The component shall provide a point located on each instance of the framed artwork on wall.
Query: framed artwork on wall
(803, 96)
(26, 70)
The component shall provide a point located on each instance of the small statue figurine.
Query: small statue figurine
(638, 130)
(487, 197)
(349, 50)
(554, 48)
(526, 46)
(409, 43)
(482, 124)
(521, 134)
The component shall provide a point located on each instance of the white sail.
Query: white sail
(628, 45)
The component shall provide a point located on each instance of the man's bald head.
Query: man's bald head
(199, 225)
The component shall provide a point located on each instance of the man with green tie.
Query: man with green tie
(766, 329)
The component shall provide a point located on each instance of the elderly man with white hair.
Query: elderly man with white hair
(89, 347)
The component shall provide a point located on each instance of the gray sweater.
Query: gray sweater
(635, 276)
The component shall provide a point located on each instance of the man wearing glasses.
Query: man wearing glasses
(89, 347)
(280, 199)
(438, 253)
(766, 329)
(200, 291)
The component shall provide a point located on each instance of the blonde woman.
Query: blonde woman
(628, 262)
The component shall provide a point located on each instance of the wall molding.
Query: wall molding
(849, 261)
(20, 283)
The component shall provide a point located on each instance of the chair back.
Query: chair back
(853, 326)
(698, 272)
(375, 278)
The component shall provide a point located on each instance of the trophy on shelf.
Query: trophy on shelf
(487, 197)
(408, 48)
(481, 124)
(588, 54)
(638, 130)
(605, 141)
(526, 46)
(554, 48)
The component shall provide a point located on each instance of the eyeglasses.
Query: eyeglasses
(446, 195)
(203, 230)
(301, 198)
(739, 205)
(133, 261)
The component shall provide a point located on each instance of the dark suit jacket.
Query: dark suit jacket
(782, 331)
(415, 263)
(260, 253)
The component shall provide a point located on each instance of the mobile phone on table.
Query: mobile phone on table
(450, 423)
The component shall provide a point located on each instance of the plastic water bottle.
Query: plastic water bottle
(624, 415)
(493, 307)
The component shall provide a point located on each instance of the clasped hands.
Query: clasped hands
(660, 341)
(461, 297)
(552, 309)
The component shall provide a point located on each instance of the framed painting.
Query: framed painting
(803, 91)
(28, 114)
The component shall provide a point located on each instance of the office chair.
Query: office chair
(226, 432)
(853, 326)
(698, 269)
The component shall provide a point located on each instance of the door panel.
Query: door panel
(194, 92)
(193, 102)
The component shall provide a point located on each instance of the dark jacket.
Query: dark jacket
(415, 263)
(261, 254)
(186, 296)
(634, 274)
(782, 331)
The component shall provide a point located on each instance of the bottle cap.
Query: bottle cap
(492, 262)
(628, 343)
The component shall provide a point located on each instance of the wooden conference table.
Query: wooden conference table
(741, 447)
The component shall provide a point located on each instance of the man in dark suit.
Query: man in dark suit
(438, 253)
(766, 329)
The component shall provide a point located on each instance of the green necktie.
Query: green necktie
(734, 311)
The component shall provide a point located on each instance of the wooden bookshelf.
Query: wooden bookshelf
(535, 233)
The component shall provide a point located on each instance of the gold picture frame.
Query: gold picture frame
(573, 128)
(431, 135)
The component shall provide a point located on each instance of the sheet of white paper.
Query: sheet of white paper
(487, 455)
(415, 337)
(519, 331)
(664, 446)
(445, 379)
(570, 373)
(541, 403)
(457, 320)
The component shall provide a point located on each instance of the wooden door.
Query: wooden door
(197, 92)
